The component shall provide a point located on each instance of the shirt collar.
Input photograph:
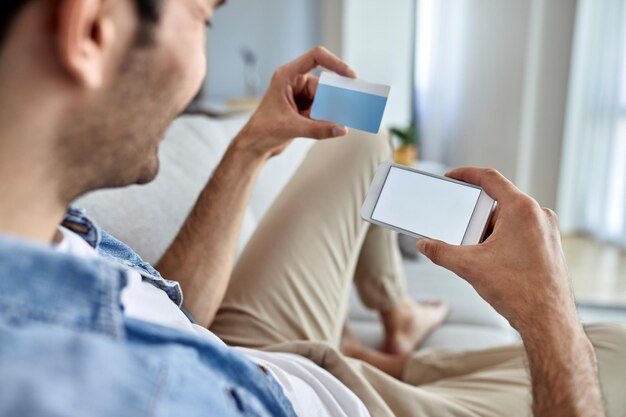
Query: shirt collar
(77, 221)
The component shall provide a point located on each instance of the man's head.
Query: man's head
(103, 79)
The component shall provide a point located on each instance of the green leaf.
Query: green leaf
(408, 135)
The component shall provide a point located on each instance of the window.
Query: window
(593, 181)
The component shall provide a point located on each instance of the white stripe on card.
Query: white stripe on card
(334, 80)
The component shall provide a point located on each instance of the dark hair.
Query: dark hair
(147, 10)
(8, 11)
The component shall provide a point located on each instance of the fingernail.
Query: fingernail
(339, 131)
(420, 245)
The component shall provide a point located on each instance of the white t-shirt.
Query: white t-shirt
(312, 390)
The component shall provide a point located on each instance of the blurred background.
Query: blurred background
(534, 88)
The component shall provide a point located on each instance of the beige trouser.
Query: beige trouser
(290, 287)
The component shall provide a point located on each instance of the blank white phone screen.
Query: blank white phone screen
(425, 205)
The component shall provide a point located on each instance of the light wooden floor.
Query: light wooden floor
(598, 271)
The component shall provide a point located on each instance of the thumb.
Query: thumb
(442, 254)
(321, 130)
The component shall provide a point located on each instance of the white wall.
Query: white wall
(278, 30)
(472, 102)
(545, 99)
(331, 25)
(377, 42)
(496, 90)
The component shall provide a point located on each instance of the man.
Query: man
(87, 88)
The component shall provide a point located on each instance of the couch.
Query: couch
(148, 218)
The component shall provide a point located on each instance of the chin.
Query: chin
(149, 172)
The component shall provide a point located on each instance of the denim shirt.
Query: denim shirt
(66, 348)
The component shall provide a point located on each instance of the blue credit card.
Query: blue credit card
(350, 102)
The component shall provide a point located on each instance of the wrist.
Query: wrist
(546, 310)
(244, 145)
(552, 325)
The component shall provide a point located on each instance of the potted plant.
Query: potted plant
(407, 152)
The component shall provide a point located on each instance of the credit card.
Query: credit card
(349, 102)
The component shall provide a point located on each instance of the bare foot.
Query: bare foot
(390, 364)
(409, 323)
(350, 345)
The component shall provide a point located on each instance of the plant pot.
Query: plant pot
(406, 155)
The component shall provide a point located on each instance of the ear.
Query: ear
(84, 37)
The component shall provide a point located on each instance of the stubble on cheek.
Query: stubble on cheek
(114, 140)
(115, 143)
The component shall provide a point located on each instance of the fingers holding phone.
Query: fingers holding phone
(519, 268)
(421, 204)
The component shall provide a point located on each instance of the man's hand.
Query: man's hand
(521, 271)
(284, 111)
(520, 268)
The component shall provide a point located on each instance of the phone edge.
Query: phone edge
(367, 209)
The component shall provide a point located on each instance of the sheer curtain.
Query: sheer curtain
(592, 195)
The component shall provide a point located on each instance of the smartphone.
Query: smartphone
(420, 204)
